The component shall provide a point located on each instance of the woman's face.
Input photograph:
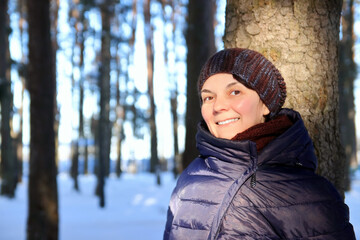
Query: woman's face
(229, 107)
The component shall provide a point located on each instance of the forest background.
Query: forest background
(120, 89)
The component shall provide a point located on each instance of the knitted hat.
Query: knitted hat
(251, 69)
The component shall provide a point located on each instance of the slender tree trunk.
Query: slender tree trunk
(75, 142)
(104, 81)
(154, 159)
(43, 217)
(8, 156)
(54, 9)
(200, 41)
(347, 75)
(19, 137)
(174, 94)
(130, 58)
(81, 44)
(119, 116)
(301, 38)
(75, 164)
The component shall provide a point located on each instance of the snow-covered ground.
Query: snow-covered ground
(135, 208)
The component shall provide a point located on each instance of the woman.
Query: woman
(255, 176)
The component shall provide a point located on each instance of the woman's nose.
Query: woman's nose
(220, 104)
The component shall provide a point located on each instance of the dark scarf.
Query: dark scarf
(263, 133)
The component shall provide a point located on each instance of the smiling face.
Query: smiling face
(229, 107)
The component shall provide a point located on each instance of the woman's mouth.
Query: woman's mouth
(227, 121)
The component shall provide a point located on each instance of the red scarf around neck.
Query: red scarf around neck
(263, 133)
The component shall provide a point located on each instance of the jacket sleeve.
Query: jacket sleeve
(170, 217)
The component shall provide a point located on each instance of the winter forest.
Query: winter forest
(99, 101)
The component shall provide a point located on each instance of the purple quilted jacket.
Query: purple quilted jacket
(232, 192)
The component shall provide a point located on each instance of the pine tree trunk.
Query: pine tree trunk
(347, 75)
(200, 42)
(54, 10)
(19, 142)
(81, 88)
(8, 157)
(74, 171)
(104, 86)
(43, 218)
(75, 141)
(301, 38)
(154, 160)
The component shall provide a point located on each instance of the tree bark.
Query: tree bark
(200, 41)
(301, 38)
(43, 218)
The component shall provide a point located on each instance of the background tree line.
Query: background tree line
(301, 38)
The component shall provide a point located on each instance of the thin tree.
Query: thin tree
(172, 77)
(154, 159)
(43, 217)
(22, 75)
(74, 21)
(54, 10)
(347, 75)
(82, 34)
(8, 156)
(301, 38)
(104, 128)
(200, 41)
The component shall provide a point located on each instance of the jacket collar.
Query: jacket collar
(293, 148)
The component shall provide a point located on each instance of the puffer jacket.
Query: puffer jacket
(232, 192)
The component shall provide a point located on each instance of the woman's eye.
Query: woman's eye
(235, 92)
(207, 99)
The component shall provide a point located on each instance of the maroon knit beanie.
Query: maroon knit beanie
(251, 69)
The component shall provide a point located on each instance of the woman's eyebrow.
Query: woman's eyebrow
(205, 91)
(232, 84)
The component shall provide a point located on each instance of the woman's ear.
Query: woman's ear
(266, 111)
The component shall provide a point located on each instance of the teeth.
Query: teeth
(228, 121)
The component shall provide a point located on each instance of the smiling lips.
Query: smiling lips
(227, 121)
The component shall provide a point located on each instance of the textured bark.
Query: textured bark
(347, 75)
(301, 38)
(200, 41)
(8, 157)
(43, 217)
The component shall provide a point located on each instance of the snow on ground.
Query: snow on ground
(135, 208)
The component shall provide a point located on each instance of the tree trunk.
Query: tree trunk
(43, 218)
(200, 42)
(119, 110)
(74, 171)
(54, 10)
(8, 156)
(81, 40)
(19, 137)
(154, 159)
(301, 38)
(73, 13)
(104, 86)
(347, 75)
(173, 99)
